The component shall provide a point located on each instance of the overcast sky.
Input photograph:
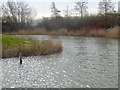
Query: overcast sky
(42, 7)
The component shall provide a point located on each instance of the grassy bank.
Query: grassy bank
(11, 46)
(109, 33)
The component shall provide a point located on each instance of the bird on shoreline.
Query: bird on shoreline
(20, 56)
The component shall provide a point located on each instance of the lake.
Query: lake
(85, 62)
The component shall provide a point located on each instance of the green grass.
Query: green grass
(12, 45)
(13, 42)
(0, 39)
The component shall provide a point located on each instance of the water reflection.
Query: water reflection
(83, 63)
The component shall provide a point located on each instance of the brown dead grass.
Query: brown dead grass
(110, 33)
(34, 48)
(43, 47)
(101, 33)
(29, 32)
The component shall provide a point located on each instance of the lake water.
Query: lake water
(85, 62)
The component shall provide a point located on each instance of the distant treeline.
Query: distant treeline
(18, 15)
(78, 23)
(69, 23)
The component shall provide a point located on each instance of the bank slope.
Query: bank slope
(12, 46)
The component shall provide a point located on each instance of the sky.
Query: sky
(43, 7)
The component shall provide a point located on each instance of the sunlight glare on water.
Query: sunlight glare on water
(83, 63)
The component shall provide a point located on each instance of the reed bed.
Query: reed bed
(109, 33)
(29, 32)
(113, 33)
(29, 47)
(43, 48)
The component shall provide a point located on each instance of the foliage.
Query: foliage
(74, 23)
(107, 21)
(17, 15)
(12, 45)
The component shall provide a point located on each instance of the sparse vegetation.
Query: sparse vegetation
(11, 46)
(109, 33)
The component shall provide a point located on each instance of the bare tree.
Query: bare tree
(25, 13)
(119, 7)
(0, 24)
(106, 6)
(18, 13)
(54, 10)
(81, 7)
(67, 12)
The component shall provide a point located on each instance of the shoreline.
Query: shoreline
(12, 45)
(109, 33)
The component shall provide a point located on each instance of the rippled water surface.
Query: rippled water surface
(83, 63)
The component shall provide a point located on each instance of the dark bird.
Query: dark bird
(20, 56)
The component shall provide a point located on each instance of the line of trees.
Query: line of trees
(81, 7)
(16, 15)
(77, 23)
(107, 17)
(105, 7)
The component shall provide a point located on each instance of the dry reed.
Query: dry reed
(34, 48)
(110, 33)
